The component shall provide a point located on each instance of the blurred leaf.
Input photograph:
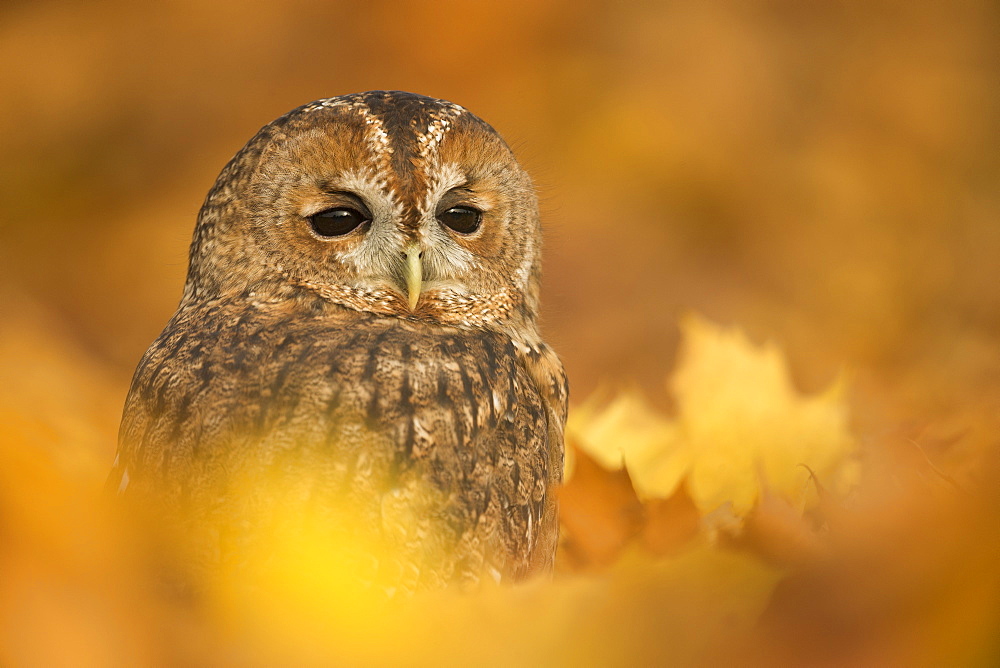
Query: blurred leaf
(670, 522)
(740, 427)
(599, 513)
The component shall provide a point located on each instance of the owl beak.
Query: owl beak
(414, 274)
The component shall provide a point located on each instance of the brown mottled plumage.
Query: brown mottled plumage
(393, 371)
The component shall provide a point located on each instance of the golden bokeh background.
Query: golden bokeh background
(824, 175)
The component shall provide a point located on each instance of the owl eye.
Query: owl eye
(336, 222)
(462, 219)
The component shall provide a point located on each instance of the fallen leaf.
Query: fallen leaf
(599, 513)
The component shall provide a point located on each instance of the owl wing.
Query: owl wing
(546, 370)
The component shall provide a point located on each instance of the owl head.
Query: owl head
(383, 202)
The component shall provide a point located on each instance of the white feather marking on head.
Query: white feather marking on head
(376, 138)
(428, 143)
(444, 258)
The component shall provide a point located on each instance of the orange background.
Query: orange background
(823, 174)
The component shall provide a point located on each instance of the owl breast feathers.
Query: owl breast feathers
(357, 344)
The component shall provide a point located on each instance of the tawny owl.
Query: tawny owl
(360, 322)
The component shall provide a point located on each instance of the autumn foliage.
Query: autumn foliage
(770, 268)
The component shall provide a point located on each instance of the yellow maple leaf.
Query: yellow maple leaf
(606, 429)
(740, 426)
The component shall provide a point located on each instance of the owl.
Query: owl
(357, 340)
